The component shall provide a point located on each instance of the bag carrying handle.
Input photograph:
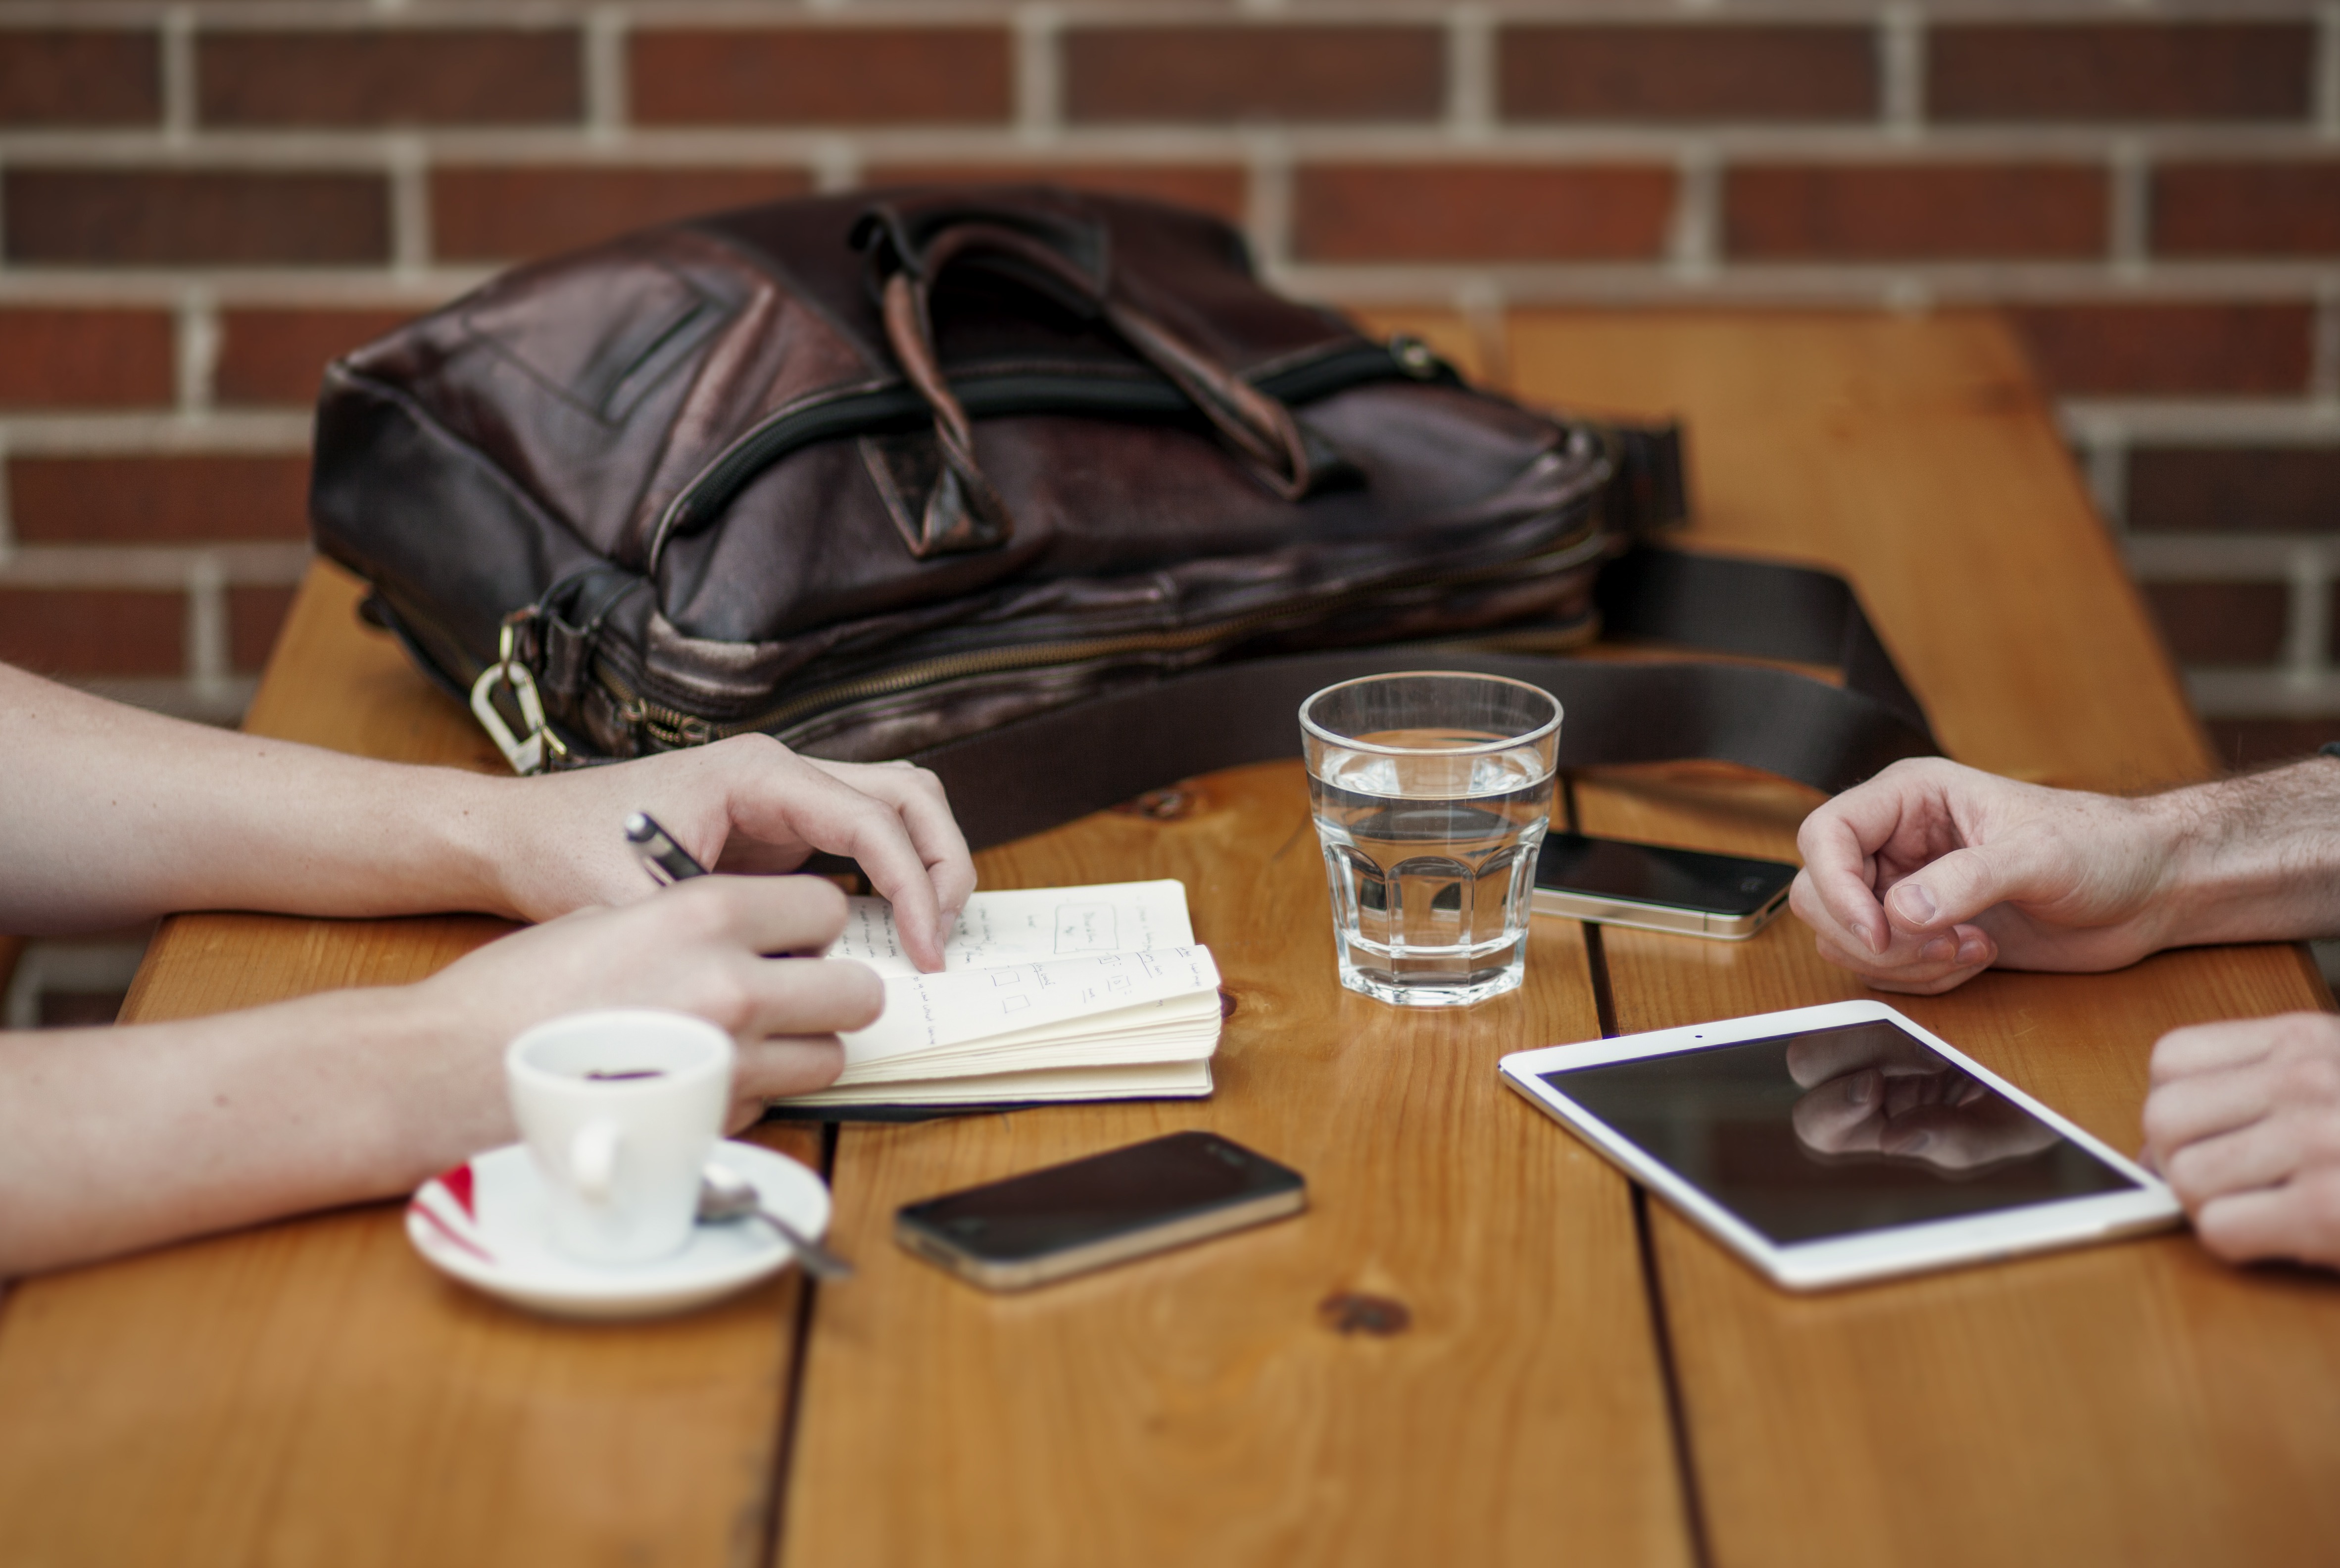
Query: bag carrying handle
(910, 250)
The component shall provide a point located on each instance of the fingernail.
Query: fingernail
(1917, 1143)
(1916, 904)
(1860, 1088)
(1971, 950)
(1940, 950)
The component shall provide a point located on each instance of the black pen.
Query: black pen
(667, 861)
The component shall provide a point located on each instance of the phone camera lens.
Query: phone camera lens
(1751, 884)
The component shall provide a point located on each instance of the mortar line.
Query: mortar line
(1039, 75)
(606, 90)
(196, 338)
(409, 206)
(178, 72)
(7, 519)
(2129, 216)
(206, 629)
(835, 164)
(1694, 244)
(1470, 74)
(2107, 473)
(2323, 375)
(1902, 70)
(1268, 203)
(2308, 629)
(359, 148)
(2327, 72)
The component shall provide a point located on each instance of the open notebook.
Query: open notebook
(1047, 994)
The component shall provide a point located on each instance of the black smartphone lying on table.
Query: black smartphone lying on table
(1108, 1208)
(1659, 887)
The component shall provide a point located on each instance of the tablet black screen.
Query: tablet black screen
(1832, 1132)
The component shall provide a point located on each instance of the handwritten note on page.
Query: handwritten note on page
(1023, 926)
(929, 1012)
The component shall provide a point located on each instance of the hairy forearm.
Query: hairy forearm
(110, 816)
(115, 1139)
(2257, 857)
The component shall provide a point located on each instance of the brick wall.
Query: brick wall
(200, 203)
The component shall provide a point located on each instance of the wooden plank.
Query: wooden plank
(1200, 1407)
(1913, 454)
(2137, 1402)
(311, 1391)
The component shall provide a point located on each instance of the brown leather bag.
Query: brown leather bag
(883, 473)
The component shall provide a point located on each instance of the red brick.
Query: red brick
(1215, 73)
(2120, 71)
(2234, 490)
(279, 356)
(494, 215)
(2220, 622)
(2253, 742)
(151, 217)
(254, 616)
(822, 76)
(157, 499)
(402, 76)
(2246, 210)
(1480, 212)
(1216, 190)
(113, 78)
(1688, 72)
(1873, 211)
(2169, 349)
(77, 358)
(94, 630)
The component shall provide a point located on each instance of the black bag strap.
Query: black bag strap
(1051, 768)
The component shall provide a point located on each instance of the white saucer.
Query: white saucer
(484, 1222)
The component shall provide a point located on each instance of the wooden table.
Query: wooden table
(1579, 1376)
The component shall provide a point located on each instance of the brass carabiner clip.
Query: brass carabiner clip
(528, 753)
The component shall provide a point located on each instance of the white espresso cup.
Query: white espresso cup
(621, 1109)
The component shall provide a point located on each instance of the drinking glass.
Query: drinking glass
(1431, 793)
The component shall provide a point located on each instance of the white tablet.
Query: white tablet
(1840, 1142)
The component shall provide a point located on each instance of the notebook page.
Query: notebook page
(1180, 1029)
(1028, 925)
(926, 1012)
(1150, 1081)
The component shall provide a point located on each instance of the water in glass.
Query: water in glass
(1431, 860)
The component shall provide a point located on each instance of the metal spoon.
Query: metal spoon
(725, 1194)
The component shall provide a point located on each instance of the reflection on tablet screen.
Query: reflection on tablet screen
(1836, 1131)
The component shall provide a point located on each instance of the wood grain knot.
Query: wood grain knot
(1346, 1311)
(1180, 801)
(1227, 1003)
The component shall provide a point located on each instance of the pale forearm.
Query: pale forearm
(2257, 857)
(110, 816)
(115, 1139)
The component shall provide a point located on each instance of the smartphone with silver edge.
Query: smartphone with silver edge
(1111, 1207)
(1659, 887)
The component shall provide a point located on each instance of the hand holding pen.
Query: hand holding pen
(667, 861)
(890, 819)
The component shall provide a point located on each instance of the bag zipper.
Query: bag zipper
(674, 729)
